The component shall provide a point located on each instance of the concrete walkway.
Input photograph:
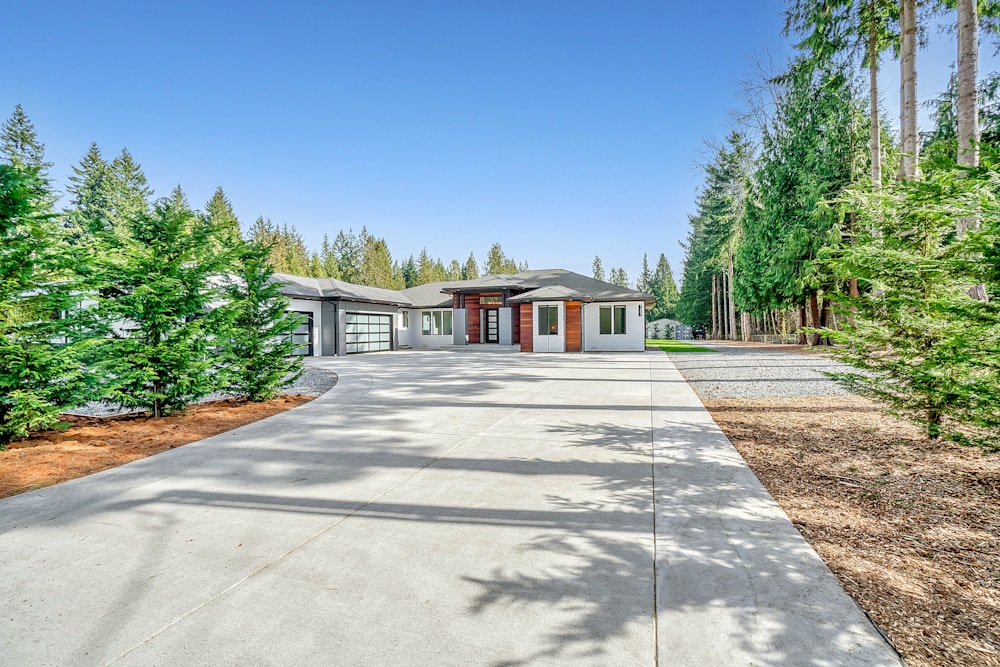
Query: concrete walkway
(434, 508)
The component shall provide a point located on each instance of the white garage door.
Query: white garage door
(368, 332)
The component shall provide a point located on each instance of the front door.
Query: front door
(550, 324)
(492, 325)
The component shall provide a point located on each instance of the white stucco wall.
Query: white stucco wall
(634, 338)
(310, 306)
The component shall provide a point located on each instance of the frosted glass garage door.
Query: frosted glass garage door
(368, 332)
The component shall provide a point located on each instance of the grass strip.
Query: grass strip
(676, 346)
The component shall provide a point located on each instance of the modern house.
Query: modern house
(548, 310)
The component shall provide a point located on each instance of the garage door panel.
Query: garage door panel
(368, 332)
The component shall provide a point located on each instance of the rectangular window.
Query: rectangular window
(612, 320)
(436, 322)
(491, 300)
(605, 320)
(406, 320)
(619, 320)
(548, 320)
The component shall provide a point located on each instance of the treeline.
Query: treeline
(814, 219)
(145, 303)
(364, 259)
(659, 282)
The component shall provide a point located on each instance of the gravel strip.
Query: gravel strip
(748, 372)
(312, 382)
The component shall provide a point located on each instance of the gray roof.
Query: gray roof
(431, 294)
(594, 290)
(552, 284)
(550, 293)
(331, 288)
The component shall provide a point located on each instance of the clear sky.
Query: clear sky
(561, 128)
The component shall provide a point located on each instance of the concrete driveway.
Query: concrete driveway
(434, 508)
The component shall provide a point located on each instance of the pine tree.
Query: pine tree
(411, 276)
(645, 277)
(19, 144)
(328, 259)
(258, 348)
(498, 263)
(223, 221)
(618, 277)
(598, 269)
(41, 373)
(470, 271)
(90, 195)
(128, 192)
(454, 271)
(664, 288)
(377, 268)
(155, 298)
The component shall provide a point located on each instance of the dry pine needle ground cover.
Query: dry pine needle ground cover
(911, 527)
(93, 444)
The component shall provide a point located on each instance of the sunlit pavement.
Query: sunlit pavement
(433, 508)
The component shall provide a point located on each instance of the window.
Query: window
(491, 300)
(436, 322)
(548, 320)
(619, 320)
(612, 320)
(640, 310)
(406, 320)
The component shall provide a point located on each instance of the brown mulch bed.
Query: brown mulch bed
(92, 444)
(911, 527)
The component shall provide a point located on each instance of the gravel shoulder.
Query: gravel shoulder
(909, 526)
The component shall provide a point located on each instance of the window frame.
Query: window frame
(616, 322)
(437, 322)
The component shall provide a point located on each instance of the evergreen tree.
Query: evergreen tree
(40, 369)
(470, 271)
(426, 269)
(411, 276)
(155, 299)
(454, 271)
(377, 269)
(328, 259)
(19, 144)
(349, 250)
(664, 288)
(258, 348)
(293, 257)
(498, 263)
(90, 189)
(618, 277)
(128, 192)
(222, 219)
(598, 269)
(316, 266)
(643, 284)
(921, 342)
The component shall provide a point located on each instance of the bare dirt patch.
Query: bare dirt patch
(911, 527)
(92, 444)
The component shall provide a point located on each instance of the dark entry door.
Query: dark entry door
(492, 325)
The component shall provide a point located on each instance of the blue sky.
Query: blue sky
(562, 129)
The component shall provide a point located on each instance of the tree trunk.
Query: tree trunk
(732, 301)
(802, 323)
(715, 304)
(876, 134)
(814, 313)
(966, 102)
(909, 166)
(824, 319)
(747, 326)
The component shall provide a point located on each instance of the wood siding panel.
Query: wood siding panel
(526, 333)
(574, 336)
(515, 322)
(472, 305)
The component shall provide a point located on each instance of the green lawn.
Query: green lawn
(676, 346)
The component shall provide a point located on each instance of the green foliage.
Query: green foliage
(470, 270)
(498, 263)
(618, 277)
(219, 215)
(40, 369)
(258, 349)
(377, 267)
(598, 269)
(920, 341)
(156, 293)
(807, 158)
(19, 144)
(662, 286)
